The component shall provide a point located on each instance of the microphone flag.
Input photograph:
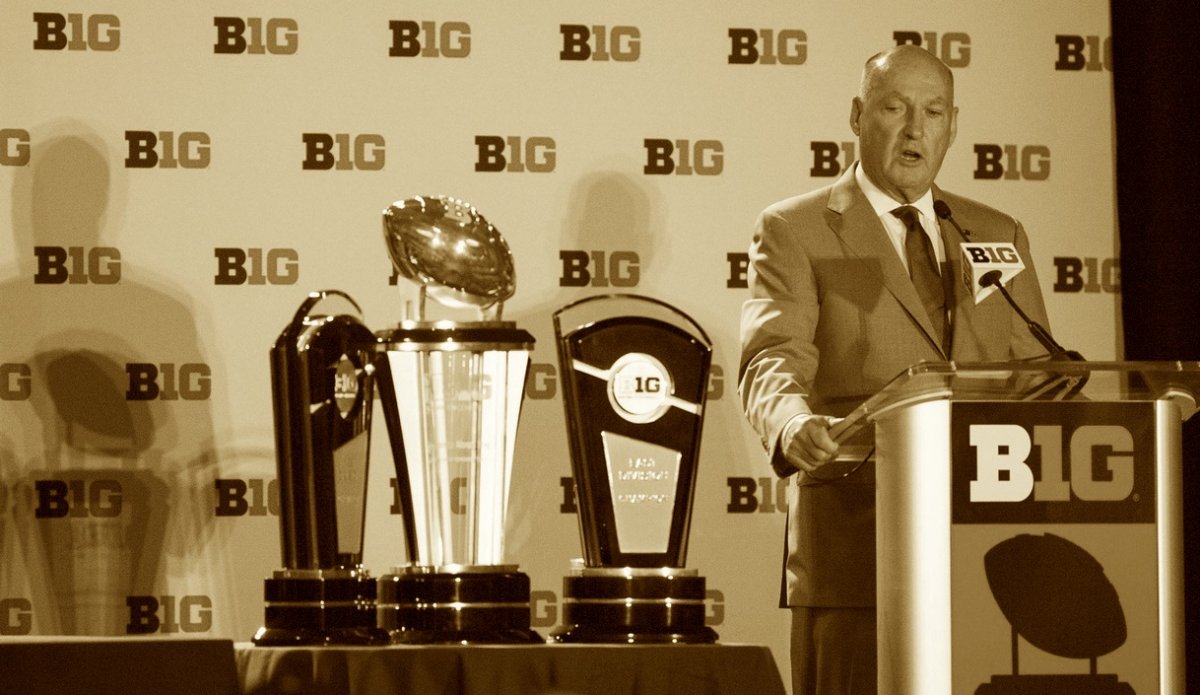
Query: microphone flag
(982, 258)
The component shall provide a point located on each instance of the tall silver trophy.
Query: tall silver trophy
(321, 378)
(452, 394)
(635, 381)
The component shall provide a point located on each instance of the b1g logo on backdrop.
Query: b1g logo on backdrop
(16, 616)
(16, 383)
(1012, 162)
(256, 35)
(514, 154)
(76, 32)
(1053, 462)
(188, 381)
(597, 42)
(77, 265)
(599, 268)
(166, 149)
(1091, 53)
(830, 159)
(343, 151)
(14, 147)
(1087, 275)
(544, 608)
(239, 497)
(739, 269)
(458, 504)
(756, 495)
(542, 383)
(683, 157)
(952, 47)
(256, 266)
(429, 39)
(94, 498)
(767, 46)
(168, 614)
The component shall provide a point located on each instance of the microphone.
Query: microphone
(986, 267)
(943, 211)
(992, 278)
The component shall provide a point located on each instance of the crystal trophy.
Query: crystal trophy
(452, 394)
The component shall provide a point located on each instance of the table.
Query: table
(549, 669)
(116, 666)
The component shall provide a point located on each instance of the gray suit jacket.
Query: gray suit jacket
(832, 318)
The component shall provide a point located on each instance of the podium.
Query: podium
(1029, 526)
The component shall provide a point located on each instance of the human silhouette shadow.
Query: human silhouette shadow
(99, 452)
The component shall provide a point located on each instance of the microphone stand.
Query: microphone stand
(1068, 386)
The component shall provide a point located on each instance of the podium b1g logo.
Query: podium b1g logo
(1070, 462)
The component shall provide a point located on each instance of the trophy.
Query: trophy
(634, 389)
(321, 377)
(452, 393)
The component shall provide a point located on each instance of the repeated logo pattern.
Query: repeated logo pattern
(178, 183)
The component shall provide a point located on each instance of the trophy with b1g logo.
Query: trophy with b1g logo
(452, 393)
(634, 389)
(321, 377)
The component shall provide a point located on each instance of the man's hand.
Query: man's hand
(806, 443)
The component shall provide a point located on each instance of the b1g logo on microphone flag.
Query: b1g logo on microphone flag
(980, 259)
(1053, 462)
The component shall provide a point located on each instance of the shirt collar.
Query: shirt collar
(884, 203)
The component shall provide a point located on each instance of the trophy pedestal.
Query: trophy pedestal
(315, 607)
(480, 606)
(634, 606)
(1078, 684)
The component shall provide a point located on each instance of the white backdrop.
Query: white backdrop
(175, 181)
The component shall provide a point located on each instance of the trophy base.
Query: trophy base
(471, 607)
(1077, 684)
(318, 607)
(623, 606)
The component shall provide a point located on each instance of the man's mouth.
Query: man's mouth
(910, 156)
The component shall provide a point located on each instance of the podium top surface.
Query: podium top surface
(1042, 380)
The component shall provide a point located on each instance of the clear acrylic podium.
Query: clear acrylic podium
(1029, 526)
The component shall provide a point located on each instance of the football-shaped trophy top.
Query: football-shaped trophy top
(1056, 595)
(451, 250)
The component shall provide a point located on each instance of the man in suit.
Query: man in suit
(835, 313)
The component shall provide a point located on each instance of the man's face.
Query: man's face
(905, 125)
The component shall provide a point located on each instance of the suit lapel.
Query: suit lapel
(957, 297)
(863, 235)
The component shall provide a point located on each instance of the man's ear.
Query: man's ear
(856, 108)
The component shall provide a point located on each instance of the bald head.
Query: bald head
(900, 58)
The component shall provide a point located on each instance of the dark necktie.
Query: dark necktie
(922, 268)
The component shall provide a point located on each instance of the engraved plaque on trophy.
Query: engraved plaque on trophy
(452, 394)
(321, 378)
(635, 377)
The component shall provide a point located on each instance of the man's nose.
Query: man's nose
(914, 125)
